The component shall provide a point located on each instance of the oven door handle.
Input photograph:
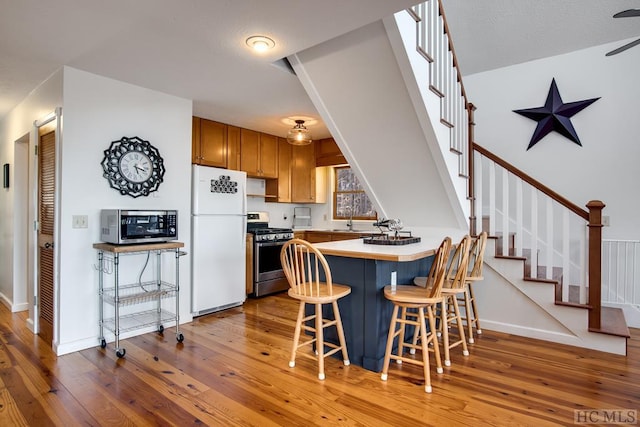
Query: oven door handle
(266, 244)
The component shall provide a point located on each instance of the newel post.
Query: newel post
(470, 182)
(595, 261)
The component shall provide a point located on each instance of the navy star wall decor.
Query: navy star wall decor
(555, 116)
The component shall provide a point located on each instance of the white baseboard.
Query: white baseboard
(600, 342)
(83, 344)
(14, 308)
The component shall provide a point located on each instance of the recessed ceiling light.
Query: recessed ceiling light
(260, 43)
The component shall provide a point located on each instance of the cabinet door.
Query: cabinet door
(328, 153)
(284, 171)
(268, 156)
(213, 143)
(303, 174)
(250, 152)
(233, 147)
(317, 236)
(195, 140)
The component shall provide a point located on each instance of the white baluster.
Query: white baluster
(478, 163)
(549, 238)
(519, 241)
(492, 198)
(534, 232)
(566, 255)
(505, 212)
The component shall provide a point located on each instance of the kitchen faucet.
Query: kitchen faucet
(350, 220)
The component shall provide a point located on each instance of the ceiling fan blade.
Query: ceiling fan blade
(627, 13)
(623, 48)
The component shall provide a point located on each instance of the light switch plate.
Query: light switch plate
(80, 221)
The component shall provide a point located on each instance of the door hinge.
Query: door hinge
(36, 225)
(36, 150)
(35, 300)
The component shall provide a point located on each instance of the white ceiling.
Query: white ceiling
(196, 49)
(489, 34)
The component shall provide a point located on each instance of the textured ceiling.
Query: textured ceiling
(489, 34)
(195, 48)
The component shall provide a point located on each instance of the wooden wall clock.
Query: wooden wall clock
(133, 166)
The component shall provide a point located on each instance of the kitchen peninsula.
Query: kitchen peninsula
(367, 269)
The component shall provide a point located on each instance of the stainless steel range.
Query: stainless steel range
(268, 276)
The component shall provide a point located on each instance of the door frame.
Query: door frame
(56, 116)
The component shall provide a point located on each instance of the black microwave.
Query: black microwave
(121, 226)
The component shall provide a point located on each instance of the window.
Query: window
(349, 198)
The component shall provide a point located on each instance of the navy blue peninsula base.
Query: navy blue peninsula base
(366, 313)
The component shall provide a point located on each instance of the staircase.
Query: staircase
(402, 120)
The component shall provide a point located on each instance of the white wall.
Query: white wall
(97, 111)
(605, 167)
(14, 248)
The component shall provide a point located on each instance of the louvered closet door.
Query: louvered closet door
(46, 192)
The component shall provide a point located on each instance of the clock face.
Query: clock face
(133, 166)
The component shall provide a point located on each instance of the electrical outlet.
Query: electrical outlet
(605, 221)
(80, 221)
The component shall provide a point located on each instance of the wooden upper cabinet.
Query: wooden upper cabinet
(250, 152)
(195, 140)
(233, 147)
(269, 155)
(284, 171)
(258, 154)
(213, 143)
(209, 143)
(303, 174)
(328, 153)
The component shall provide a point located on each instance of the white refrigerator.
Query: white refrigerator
(218, 233)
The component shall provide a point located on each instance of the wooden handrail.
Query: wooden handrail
(533, 182)
(593, 215)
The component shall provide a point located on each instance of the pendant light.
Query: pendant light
(299, 134)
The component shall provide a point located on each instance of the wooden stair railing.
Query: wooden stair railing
(592, 216)
(434, 43)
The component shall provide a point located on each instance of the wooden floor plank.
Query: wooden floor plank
(232, 369)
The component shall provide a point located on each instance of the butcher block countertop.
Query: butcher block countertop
(355, 248)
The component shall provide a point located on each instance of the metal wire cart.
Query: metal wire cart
(148, 294)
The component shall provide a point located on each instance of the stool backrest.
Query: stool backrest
(459, 265)
(476, 256)
(435, 280)
(303, 267)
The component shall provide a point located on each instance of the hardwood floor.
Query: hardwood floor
(232, 369)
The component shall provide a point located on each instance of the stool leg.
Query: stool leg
(390, 336)
(444, 326)
(456, 309)
(434, 338)
(425, 351)
(403, 316)
(296, 335)
(320, 341)
(469, 315)
(343, 342)
(476, 318)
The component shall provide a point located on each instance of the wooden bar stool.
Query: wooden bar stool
(410, 298)
(454, 284)
(476, 262)
(303, 266)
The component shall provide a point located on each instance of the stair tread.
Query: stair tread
(612, 322)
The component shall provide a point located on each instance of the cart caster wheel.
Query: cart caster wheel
(180, 337)
(160, 329)
(121, 352)
(103, 343)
